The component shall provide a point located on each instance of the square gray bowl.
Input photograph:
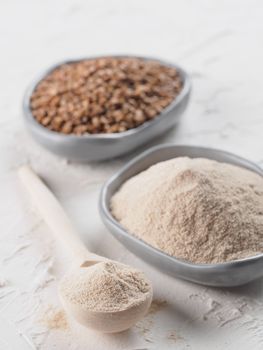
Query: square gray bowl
(232, 273)
(97, 147)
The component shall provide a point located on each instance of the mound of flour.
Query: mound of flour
(105, 287)
(194, 209)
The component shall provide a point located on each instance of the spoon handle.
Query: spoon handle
(53, 213)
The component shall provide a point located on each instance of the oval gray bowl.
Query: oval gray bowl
(98, 147)
(227, 274)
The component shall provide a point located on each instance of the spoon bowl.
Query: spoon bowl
(107, 322)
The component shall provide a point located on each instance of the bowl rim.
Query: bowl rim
(28, 116)
(107, 216)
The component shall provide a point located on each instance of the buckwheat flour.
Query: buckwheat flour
(194, 209)
(54, 318)
(106, 287)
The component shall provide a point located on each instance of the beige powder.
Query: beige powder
(54, 319)
(106, 286)
(194, 209)
(156, 306)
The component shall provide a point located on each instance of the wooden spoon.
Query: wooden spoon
(54, 215)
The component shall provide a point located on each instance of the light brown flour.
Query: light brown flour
(106, 286)
(194, 209)
(54, 319)
(156, 306)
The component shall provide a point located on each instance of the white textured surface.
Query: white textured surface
(220, 44)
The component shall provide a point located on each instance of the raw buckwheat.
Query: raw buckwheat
(104, 95)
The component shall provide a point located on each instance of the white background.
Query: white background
(220, 44)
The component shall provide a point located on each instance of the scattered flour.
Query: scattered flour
(54, 318)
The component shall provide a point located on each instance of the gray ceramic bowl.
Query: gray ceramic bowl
(104, 146)
(225, 274)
